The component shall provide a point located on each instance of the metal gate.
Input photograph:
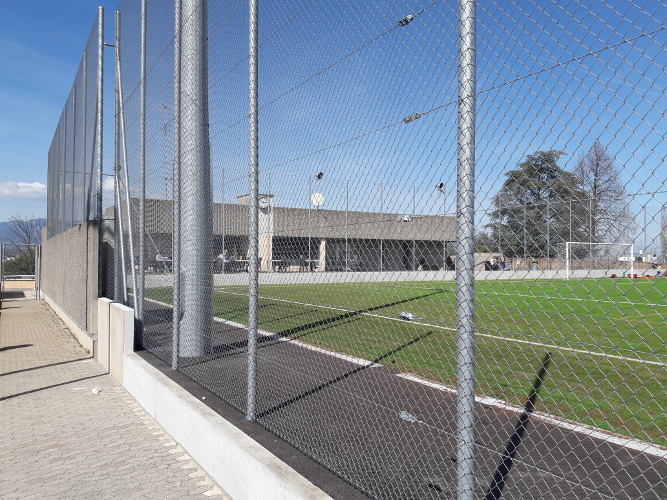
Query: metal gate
(19, 271)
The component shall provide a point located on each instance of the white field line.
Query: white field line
(570, 298)
(593, 432)
(351, 359)
(634, 444)
(486, 335)
(494, 294)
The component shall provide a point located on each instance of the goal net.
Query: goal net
(599, 259)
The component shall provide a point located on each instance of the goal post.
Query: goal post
(589, 256)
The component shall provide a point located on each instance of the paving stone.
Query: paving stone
(62, 441)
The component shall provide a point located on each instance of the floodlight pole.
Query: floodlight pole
(465, 244)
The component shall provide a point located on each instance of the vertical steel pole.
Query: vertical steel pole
(63, 198)
(548, 235)
(414, 229)
(72, 191)
(347, 206)
(253, 267)
(223, 220)
(120, 274)
(139, 292)
(310, 192)
(444, 228)
(196, 195)
(590, 233)
(524, 236)
(84, 149)
(465, 276)
(176, 193)
(126, 175)
(381, 227)
(99, 117)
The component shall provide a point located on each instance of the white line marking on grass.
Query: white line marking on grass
(593, 432)
(346, 357)
(634, 444)
(487, 335)
(569, 298)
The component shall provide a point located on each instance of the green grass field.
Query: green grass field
(608, 338)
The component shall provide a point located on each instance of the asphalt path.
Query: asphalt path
(394, 438)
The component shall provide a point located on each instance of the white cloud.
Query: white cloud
(25, 190)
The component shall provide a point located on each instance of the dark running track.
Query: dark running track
(395, 438)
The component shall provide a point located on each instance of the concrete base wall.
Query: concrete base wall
(69, 273)
(86, 340)
(241, 466)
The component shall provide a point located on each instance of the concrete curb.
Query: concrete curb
(241, 466)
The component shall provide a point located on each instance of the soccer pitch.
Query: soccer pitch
(608, 338)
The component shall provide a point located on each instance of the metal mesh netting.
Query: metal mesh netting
(73, 158)
(372, 277)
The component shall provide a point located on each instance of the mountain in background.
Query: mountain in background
(6, 230)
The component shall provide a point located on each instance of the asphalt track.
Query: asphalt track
(394, 438)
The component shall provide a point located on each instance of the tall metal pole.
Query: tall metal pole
(223, 221)
(347, 207)
(444, 228)
(570, 223)
(126, 175)
(548, 235)
(413, 224)
(99, 119)
(381, 228)
(590, 233)
(139, 293)
(176, 193)
(465, 276)
(84, 144)
(524, 236)
(73, 192)
(196, 264)
(119, 253)
(310, 192)
(253, 264)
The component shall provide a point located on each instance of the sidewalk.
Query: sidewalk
(58, 439)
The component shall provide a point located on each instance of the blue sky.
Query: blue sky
(333, 92)
(41, 42)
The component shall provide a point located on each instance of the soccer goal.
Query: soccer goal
(603, 259)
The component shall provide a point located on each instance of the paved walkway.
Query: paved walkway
(60, 439)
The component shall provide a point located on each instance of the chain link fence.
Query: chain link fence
(428, 252)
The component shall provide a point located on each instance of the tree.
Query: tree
(599, 177)
(534, 210)
(25, 232)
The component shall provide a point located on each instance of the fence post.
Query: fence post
(99, 117)
(465, 268)
(176, 193)
(196, 201)
(120, 290)
(253, 267)
(139, 292)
